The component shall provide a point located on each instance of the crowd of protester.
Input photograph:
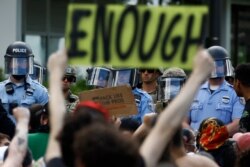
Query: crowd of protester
(183, 120)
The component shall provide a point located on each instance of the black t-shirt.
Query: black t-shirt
(245, 118)
(55, 162)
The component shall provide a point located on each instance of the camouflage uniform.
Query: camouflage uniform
(71, 102)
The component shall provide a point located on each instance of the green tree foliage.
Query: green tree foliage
(1, 74)
(79, 86)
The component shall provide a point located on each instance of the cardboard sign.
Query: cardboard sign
(119, 100)
(134, 36)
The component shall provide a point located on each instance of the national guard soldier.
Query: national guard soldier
(71, 99)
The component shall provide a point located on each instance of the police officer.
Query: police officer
(70, 98)
(19, 89)
(230, 76)
(144, 102)
(216, 97)
(38, 73)
(170, 84)
(149, 82)
(99, 77)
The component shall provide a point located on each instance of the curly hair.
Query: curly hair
(242, 72)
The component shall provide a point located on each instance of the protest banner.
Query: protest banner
(118, 100)
(134, 36)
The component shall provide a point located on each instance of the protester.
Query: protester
(40, 136)
(4, 143)
(170, 119)
(86, 113)
(4, 139)
(242, 88)
(244, 159)
(155, 143)
(242, 141)
(213, 137)
(189, 140)
(7, 126)
(18, 146)
(53, 154)
(27, 161)
(57, 108)
(243, 149)
(93, 148)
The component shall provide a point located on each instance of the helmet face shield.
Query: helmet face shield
(170, 87)
(222, 68)
(126, 77)
(38, 72)
(230, 69)
(19, 65)
(99, 77)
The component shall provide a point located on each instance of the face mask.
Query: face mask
(18, 77)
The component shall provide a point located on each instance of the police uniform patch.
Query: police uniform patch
(137, 98)
(242, 101)
(225, 99)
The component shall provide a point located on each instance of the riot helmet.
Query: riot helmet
(230, 76)
(19, 59)
(70, 73)
(171, 83)
(126, 76)
(222, 62)
(38, 73)
(99, 77)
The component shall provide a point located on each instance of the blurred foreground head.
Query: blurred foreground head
(85, 114)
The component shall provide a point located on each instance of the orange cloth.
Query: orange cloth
(213, 135)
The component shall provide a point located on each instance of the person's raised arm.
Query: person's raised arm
(18, 145)
(172, 116)
(56, 65)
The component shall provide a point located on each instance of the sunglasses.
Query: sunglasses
(148, 70)
(69, 79)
